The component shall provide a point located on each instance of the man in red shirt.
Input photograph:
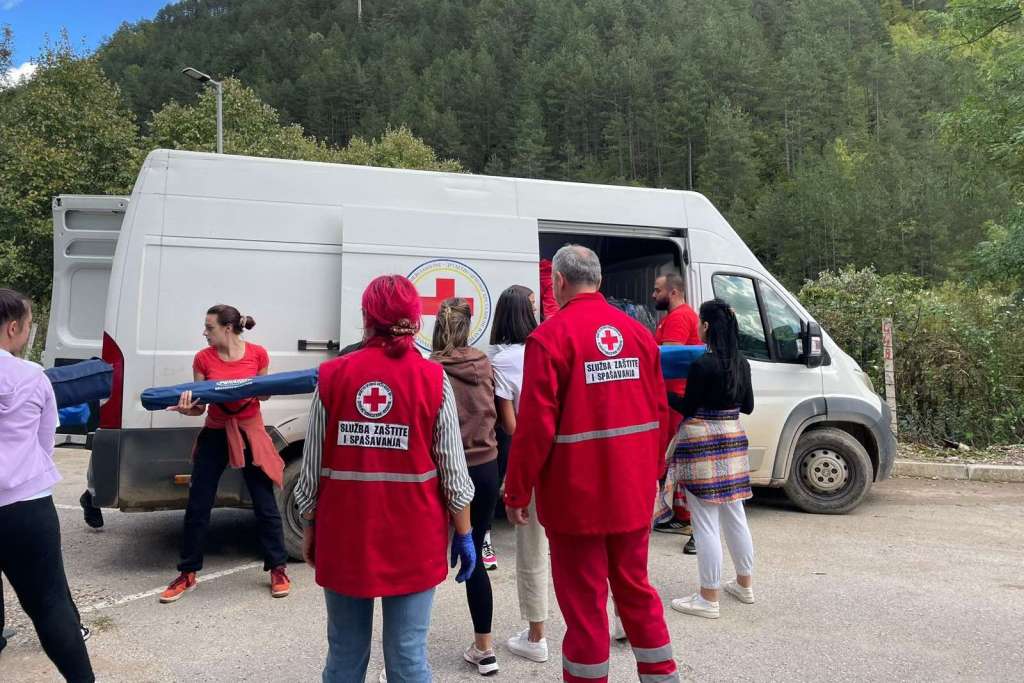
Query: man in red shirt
(594, 398)
(678, 327)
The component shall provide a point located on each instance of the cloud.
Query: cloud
(16, 73)
(9, 4)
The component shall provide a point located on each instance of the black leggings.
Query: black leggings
(481, 514)
(210, 461)
(30, 558)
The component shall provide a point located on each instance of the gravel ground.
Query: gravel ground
(921, 583)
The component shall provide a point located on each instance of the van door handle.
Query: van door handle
(319, 345)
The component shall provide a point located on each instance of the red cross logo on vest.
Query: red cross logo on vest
(444, 288)
(374, 400)
(609, 340)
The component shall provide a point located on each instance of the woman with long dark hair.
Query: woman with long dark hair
(233, 435)
(711, 460)
(514, 319)
(472, 379)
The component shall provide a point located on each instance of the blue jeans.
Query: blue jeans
(350, 627)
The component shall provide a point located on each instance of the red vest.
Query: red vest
(381, 520)
(604, 400)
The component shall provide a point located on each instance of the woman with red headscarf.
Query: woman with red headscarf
(383, 466)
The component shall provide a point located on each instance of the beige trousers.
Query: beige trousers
(532, 567)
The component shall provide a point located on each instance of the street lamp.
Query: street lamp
(197, 75)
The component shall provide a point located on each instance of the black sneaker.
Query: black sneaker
(85, 633)
(690, 548)
(93, 515)
(673, 526)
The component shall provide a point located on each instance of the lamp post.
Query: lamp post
(197, 75)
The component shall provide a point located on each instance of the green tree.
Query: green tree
(251, 127)
(66, 130)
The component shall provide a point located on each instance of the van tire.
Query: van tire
(290, 520)
(827, 458)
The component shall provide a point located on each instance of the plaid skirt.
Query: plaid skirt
(709, 460)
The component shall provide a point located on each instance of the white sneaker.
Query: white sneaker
(697, 606)
(744, 595)
(486, 663)
(618, 632)
(521, 645)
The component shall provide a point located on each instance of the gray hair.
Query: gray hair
(578, 265)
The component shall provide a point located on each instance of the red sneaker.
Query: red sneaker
(280, 584)
(186, 581)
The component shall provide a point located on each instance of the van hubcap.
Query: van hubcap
(825, 470)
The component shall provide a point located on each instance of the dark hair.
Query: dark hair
(723, 337)
(514, 318)
(229, 315)
(13, 306)
(451, 329)
(675, 281)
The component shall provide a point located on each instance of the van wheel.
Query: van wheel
(831, 472)
(290, 519)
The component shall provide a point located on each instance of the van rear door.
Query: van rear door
(85, 232)
(444, 254)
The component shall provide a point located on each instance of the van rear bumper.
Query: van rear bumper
(886, 441)
(135, 470)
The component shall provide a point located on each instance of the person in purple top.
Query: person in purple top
(30, 554)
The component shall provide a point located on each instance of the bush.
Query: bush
(959, 366)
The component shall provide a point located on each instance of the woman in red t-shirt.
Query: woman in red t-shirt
(232, 435)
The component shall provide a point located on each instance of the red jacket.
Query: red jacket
(594, 422)
(379, 486)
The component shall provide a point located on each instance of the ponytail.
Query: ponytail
(723, 336)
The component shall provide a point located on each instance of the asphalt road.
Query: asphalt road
(922, 583)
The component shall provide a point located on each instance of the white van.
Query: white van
(293, 244)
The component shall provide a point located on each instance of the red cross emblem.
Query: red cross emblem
(374, 400)
(444, 288)
(609, 340)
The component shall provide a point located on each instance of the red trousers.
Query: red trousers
(582, 568)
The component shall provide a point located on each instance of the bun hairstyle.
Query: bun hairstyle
(451, 329)
(391, 312)
(229, 315)
(723, 340)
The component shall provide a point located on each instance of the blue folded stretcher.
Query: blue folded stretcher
(228, 390)
(676, 360)
(675, 364)
(77, 383)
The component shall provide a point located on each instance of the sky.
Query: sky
(88, 22)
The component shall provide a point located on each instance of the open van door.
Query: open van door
(85, 232)
(472, 256)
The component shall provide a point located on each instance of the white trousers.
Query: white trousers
(709, 521)
(532, 567)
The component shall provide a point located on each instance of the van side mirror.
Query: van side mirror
(813, 347)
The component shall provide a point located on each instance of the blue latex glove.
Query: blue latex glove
(462, 548)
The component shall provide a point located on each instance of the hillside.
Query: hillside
(813, 124)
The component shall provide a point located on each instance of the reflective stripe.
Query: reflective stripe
(585, 670)
(653, 655)
(607, 433)
(344, 475)
(660, 678)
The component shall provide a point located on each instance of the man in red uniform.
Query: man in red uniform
(678, 327)
(594, 399)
